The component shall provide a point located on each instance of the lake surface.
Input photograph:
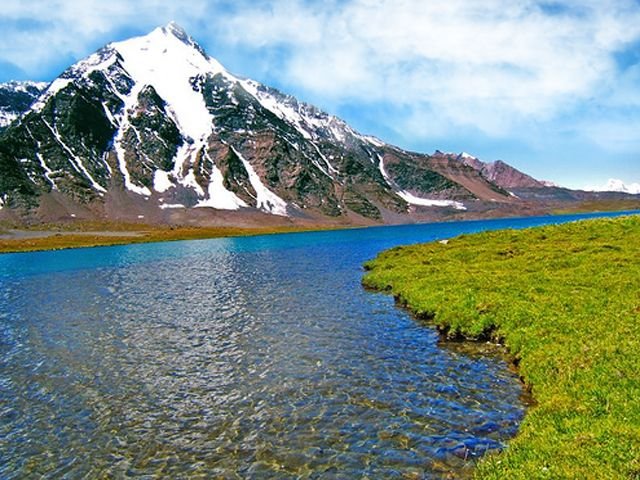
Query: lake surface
(238, 358)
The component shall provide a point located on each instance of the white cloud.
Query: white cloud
(498, 69)
(37, 31)
(491, 65)
(616, 185)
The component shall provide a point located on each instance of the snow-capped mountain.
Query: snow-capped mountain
(617, 185)
(16, 98)
(152, 127)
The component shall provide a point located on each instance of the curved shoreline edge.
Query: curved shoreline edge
(565, 300)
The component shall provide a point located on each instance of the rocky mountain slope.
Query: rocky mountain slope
(16, 98)
(154, 129)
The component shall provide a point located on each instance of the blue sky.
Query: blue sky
(552, 87)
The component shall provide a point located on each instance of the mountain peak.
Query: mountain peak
(167, 34)
(172, 28)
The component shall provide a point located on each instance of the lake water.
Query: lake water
(238, 358)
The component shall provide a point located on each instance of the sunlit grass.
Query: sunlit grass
(566, 301)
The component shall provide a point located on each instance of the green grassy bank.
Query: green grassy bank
(566, 301)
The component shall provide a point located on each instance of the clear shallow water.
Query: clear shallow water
(237, 358)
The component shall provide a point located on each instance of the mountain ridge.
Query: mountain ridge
(154, 129)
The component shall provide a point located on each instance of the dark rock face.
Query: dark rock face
(112, 128)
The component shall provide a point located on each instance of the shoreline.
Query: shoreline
(23, 242)
(47, 237)
(485, 345)
(547, 294)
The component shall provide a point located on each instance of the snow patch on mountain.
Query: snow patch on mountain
(75, 161)
(412, 199)
(265, 199)
(161, 181)
(17, 95)
(130, 103)
(24, 85)
(375, 141)
(55, 86)
(219, 196)
(427, 202)
(7, 118)
(278, 108)
(617, 185)
(47, 171)
(165, 206)
(383, 172)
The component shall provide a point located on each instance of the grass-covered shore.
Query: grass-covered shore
(96, 234)
(565, 300)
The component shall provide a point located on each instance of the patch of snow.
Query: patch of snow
(6, 118)
(375, 141)
(265, 199)
(105, 156)
(166, 206)
(277, 107)
(109, 115)
(161, 181)
(130, 103)
(219, 196)
(43, 164)
(331, 168)
(23, 85)
(337, 133)
(76, 162)
(412, 199)
(183, 155)
(468, 156)
(47, 170)
(384, 173)
(426, 202)
(57, 85)
(189, 181)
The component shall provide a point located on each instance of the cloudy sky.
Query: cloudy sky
(552, 87)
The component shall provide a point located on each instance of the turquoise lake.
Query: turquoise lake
(255, 357)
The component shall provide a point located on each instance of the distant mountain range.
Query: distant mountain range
(616, 185)
(153, 129)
